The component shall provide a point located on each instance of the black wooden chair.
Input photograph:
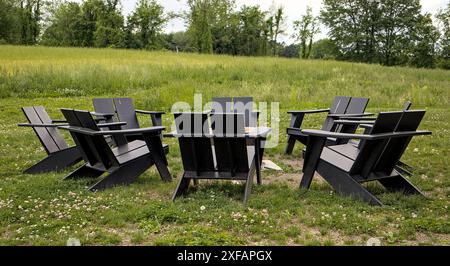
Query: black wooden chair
(59, 154)
(342, 107)
(122, 109)
(212, 154)
(125, 162)
(366, 123)
(345, 167)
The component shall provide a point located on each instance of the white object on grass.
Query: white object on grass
(267, 164)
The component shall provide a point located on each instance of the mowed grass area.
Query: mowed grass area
(46, 210)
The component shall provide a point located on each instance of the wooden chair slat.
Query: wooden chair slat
(339, 106)
(42, 133)
(53, 131)
(244, 105)
(221, 104)
(357, 105)
(126, 112)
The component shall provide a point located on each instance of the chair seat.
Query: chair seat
(132, 150)
(336, 159)
(348, 150)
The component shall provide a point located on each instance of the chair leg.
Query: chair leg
(182, 187)
(296, 122)
(56, 161)
(290, 145)
(125, 174)
(84, 171)
(399, 183)
(258, 161)
(159, 157)
(312, 157)
(345, 185)
(248, 186)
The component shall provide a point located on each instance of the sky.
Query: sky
(294, 10)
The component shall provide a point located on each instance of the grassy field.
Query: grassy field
(45, 210)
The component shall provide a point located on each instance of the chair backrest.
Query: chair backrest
(244, 105)
(371, 150)
(357, 105)
(228, 124)
(103, 105)
(230, 144)
(339, 106)
(94, 149)
(407, 105)
(229, 155)
(395, 148)
(49, 137)
(195, 145)
(192, 123)
(126, 112)
(221, 105)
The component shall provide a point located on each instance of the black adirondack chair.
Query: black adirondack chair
(367, 125)
(122, 109)
(59, 154)
(125, 162)
(345, 167)
(222, 154)
(342, 107)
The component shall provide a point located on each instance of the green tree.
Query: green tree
(253, 31)
(305, 30)
(353, 25)
(10, 24)
(65, 27)
(325, 49)
(109, 24)
(147, 22)
(199, 20)
(276, 26)
(177, 42)
(30, 18)
(290, 51)
(443, 18)
(396, 29)
(424, 47)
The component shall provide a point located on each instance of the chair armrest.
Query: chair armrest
(114, 124)
(360, 118)
(366, 126)
(337, 116)
(59, 121)
(102, 114)
(150, 112)
(328, 134)
(130, 132)
(308, 111)
(126, 132)
(40, 125)
(350, 122)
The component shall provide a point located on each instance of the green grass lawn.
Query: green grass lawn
(46, 210)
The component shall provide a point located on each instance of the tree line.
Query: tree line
(387, 32)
